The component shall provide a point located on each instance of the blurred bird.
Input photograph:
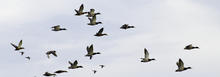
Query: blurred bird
(60, 71)
(90, 52)
(28, 57)
(18, 47)
(102, 66)
(53, 52)
(189, 47)
(92, 13)
(93, 21)
(94, 71)
(22, 53)
(99, 33)
(146, 56)
(57, 28)
(49, 74)
(80, 11)
(126, 26)
(74, 65)
(181, 67)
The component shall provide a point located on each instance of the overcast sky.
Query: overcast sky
(164, 27)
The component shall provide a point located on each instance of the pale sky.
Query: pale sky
(164, 27)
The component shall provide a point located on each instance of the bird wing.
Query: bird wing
(20, 43)
(14, 45)
(54, 54)
(94, 19)
(146, 54)
(90, 20)
(70, 63)
(91, 48)
(180, 64)
(81, 8)
(101, 30)
(75, 63)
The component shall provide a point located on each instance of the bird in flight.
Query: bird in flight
(80, 11)
(18, 47)
(74, 65)
(99, 33)
(146, 56)
(92, 13)
(181, 67)
(57, 28)
(53, 52)
(102, 66)
(60, 71)
(49, 74)
(28, 57)
(126, 26)
(189, 47)
(90, 52)
(93, 21)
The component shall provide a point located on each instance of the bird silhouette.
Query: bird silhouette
(49, 74)
(189, 47)
(57, 28)
(146, 56)
(18, 47)
(126, 26)
(90, 52)
(93, 21)
(92, 13)
(99, 33)
(53, 52)
(80, 11)
(60, 71)
(181, 67)
(74, 65)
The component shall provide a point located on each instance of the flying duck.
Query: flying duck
(90, 52)
(99, 33)
(57, 28)
(18, 47)
(74, 65)
(80, 11)
(126, 26)
(102, 66)
(53, 52)
(60, 71)
(146, 56)
(49, 74)
(181, 67)
(93, 21)
(189, 47)
(92, 13)
(94, 71)
(22, 53)
(28, 57)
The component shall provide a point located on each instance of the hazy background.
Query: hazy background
(164, 27)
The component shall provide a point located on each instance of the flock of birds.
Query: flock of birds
(90, 51)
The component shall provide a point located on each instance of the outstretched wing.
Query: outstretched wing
(81, 8)
(14, 45)
(146, 54)
(70, 63)
(180, 64)
(54, 54)
(20, 43)
(101, 30)
(75, 63)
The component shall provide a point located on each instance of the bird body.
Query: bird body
(90, 52)
(93, 21)
(181, 67)
(189, 47)
(99, 33)
(49, 74)
(146, 56)
(60, 71)
(80, 11)
(53, 52)
(57, 28)
(74, 65)
(18, 47)
(126, 26)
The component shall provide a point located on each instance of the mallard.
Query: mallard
(102, 66)
(126, 26)
(181, 67)
(18, 47)
(80, 11)
(60, 71)
(90, 52)
(99, 33)
(28, 57)
(146, 56)
(93, 21)
(92, 13)
(57, 28)
(53, 52)
(94, 71)
(74, 65)
(49, 74)
(189, 47)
